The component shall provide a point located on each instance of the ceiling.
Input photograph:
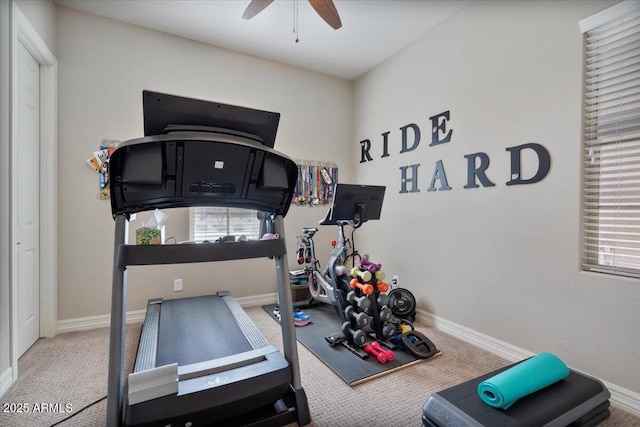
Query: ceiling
(372, 30)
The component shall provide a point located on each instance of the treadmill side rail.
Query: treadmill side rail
(153, 383)
(148, 344)
(244, 323)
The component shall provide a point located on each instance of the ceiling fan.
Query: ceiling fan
(325, 8)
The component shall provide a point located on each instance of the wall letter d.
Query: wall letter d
(544, 164)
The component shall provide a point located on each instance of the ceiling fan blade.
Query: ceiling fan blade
(255, 7)
(327, 11)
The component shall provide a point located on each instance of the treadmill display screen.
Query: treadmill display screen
(162, 110)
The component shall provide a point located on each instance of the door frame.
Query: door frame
(23, 32)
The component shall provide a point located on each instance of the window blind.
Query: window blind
(212, 223)
(611, 173)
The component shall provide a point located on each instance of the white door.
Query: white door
(27, 199)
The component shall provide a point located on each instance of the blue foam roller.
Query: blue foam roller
(525, 378)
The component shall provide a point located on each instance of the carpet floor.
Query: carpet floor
(61, 376)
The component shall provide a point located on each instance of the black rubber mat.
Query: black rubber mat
(198, 329)
(349, 367)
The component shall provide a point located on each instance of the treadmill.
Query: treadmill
(200, 360)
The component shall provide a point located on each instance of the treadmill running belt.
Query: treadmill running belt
(198, 329)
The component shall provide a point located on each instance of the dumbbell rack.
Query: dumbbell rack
(367, 297)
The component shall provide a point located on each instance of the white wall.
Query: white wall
(41, 15)
(103, 68)
(503, 261)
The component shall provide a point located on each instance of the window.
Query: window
(212, 223)
(611, 171)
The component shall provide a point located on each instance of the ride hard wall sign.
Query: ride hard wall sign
(477, 163)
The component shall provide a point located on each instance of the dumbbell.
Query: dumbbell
(390, 354)
(358, 336)
(385, 314)
(362, 303)
(366, 288)
(380, 275)
(383, 299)
(388, 330)
(362, 319)
(368, 348)
(382, 286)
(362, 274)
(370, 266)
(335, 339)
(382, 355)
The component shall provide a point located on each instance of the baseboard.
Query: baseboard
(485, 342)
(6, 379)
(137, 316)
(255, 300)
(95, 322)
(622, 398)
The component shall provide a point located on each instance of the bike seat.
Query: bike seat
(308, 230)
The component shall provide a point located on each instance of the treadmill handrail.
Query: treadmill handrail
(185, 253)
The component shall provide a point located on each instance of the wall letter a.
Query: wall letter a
(439, 175)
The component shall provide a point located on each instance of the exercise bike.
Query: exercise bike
(352, 206)
(330, 286)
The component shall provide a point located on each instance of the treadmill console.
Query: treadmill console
(199, 169)
(195, 162)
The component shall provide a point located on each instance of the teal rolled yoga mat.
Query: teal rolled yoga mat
(529, 376)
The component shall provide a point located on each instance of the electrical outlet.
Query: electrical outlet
(177, 285)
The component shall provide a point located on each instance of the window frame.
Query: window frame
(610, 231)
(227, 226)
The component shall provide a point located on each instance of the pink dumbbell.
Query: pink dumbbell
(390, 354)
(382, 355)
